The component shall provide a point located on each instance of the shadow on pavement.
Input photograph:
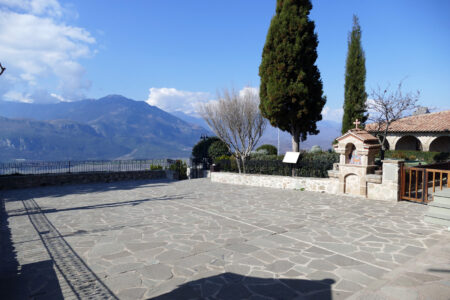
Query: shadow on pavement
(235, 286)
(96, 206)
(39, 280)
(74, 189)
(9, 266)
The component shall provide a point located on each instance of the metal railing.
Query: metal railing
(56, 167)
(304, 168)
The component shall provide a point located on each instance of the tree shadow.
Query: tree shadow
(9, 266)
(21, 212)
(235, 286)
(39, 280)
(86, 188)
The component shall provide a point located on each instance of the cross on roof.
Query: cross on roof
(357, 122)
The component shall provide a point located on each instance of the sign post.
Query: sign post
(292, 159)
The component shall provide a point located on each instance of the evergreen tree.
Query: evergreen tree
(355, 78)
(291, 89)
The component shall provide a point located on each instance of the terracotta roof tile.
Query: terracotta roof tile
(433, 122)
(360, 134)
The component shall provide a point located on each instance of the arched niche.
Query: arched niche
(440, 144)
(350, 151)
(408, 142)
(351, 184)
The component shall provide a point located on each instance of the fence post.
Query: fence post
(425, 186)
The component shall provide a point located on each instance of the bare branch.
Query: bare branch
(2, 69)
(236, 120)
(387, 106)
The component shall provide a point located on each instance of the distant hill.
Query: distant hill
(108, 128)
(329, 130)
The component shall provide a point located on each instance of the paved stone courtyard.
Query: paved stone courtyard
(201, 240)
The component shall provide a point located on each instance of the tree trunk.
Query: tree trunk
(238, 163)
(295, 147)
(295, 142)
(243, 164)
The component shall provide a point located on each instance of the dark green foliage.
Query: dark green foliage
(355, 78)
(155, 167)
(291, 88)
(218, 148)
(200, 150)
(309, 165)
(271, 149)
(180, 168)
(409, 155)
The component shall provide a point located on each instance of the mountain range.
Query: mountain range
(329, 130)
(114, 127)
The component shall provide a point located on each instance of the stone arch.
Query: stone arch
(440, 144)
(351, 184)
(408, 142)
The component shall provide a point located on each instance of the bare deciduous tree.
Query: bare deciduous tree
(387, 106)
(235, 118)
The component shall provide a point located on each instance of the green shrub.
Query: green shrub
(315, 149)
(428, 157)
(200, 150)
(260, 156)
(155, 167)
(309, 165)
(270, 149)
(217, 149)
(180, 168)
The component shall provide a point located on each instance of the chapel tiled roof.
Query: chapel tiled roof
(360, 134)
(432, 122)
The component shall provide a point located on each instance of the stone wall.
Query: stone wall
(389, 189)
(27, 181)
(326, 185)
(379, 187)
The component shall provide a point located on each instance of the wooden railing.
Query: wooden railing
(417, 183)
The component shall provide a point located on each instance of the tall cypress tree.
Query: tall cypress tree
(291, 88)
(355, 78)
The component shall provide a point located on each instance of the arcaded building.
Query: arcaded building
(425, 132)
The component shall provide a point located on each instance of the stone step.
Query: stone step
(440, 199)
(436, 218)
(443, 204)
(445, 193)
(439, 210)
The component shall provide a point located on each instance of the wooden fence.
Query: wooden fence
(418, 183)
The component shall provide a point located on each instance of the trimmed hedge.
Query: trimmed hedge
(408, 155)
(309, 165)
(181, 168)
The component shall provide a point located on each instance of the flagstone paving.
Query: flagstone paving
(202, 240)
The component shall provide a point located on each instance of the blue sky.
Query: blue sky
(178, 53)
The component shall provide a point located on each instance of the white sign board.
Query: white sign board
(291, 157)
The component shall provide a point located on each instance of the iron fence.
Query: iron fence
(55, 167)
(304, 168)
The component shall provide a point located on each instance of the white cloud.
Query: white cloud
(332, 114)
(249, 89)
(170, 99)
(35, 7)
(36, 45)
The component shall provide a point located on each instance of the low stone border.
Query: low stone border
(27, 181)
(326, 185)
